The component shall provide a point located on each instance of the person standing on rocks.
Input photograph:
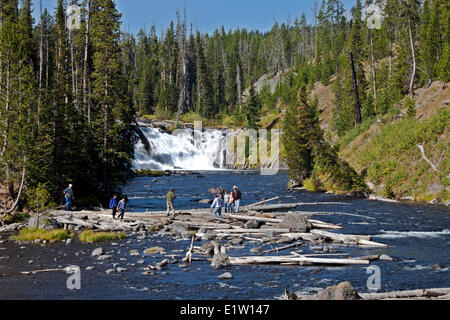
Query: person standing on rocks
(217, 207)
(226, 201)
(231, 202)
(237, 196)
(113, 205)
(221, 193)
(68, 195)
(170, 199)
(122, 206)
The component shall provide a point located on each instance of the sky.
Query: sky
(206, 15)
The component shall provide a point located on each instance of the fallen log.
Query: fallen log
(275, 207)
(249, 218)
(75, 222)
(299, 260)
(315, 223)
(429, 293)
(303, 236)
(205, 225)
(262, 202)
(244, 231)
(27, 273)
(298, 244)
(323, 225)
(345, 238)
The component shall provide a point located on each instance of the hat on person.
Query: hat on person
(235, 187)
(70, 185)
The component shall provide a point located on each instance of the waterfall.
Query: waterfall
(178, 152)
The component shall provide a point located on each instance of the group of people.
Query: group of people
(114, 204)
(229, 201)
(118, 206)
(226, 200)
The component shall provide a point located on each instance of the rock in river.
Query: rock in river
(226, 276)
(344, 291)
(97, 252)
(296, 222)
(103, 258)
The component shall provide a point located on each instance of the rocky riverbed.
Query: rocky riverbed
(149, 264)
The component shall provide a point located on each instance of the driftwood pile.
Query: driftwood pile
(345, 291)
(282, 230)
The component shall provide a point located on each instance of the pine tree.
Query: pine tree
(300, 135)
(115, 117)
(205, 93)
(252, 109)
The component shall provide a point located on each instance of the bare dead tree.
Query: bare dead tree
(86, 91)
(358, 117)
(413, 51)
(184, 95)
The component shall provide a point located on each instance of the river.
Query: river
(418, 235)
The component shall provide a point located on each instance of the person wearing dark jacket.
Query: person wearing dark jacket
(237, 199)
(113, 205)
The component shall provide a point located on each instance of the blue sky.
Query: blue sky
(206, 15)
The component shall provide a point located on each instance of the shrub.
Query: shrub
(39, 199)
(410, 105)
(356, 132)
(148, 173)
(91, 236)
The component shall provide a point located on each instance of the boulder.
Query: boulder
(236, 241)
(220, 260)
(176, 227)
(252, 224)
(209, 248)
(296, 222)
(293, 184)
(42, 223)
(385, 257)
(97, 252)
(226, 276)
(12, 227)
(344, 291)
(104, 257)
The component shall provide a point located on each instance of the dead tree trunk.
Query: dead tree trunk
(358, 117)
(86, 94)
(181, 30)
(413, 52)
(374, 74)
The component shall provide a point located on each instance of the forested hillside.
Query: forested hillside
(65, 116)
(169, 71)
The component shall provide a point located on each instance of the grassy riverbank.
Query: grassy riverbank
(27, 235)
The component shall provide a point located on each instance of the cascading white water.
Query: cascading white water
(178, 152)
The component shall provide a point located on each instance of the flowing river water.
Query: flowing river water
(418, 237)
